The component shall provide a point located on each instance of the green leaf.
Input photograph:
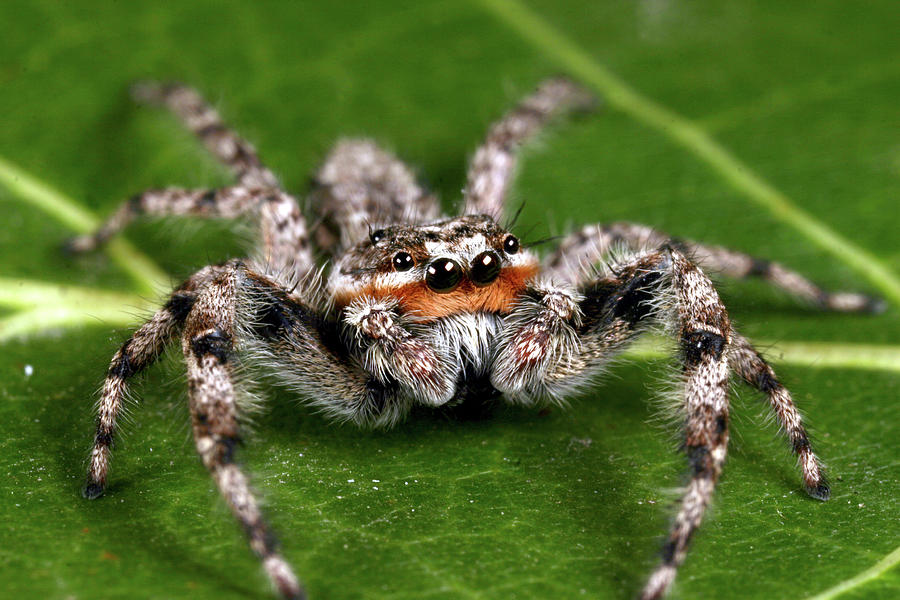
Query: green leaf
(771, 128)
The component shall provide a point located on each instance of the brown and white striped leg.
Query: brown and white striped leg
(392, 352)
(753, 369)
(285, 237)
(362, 187)
(134, 356)
(659, 286)
(285, 245)
(226, 203)
(493, 166)
(704, 331)
(208, 344)
(204, 122)
(578, 255)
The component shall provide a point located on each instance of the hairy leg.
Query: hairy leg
(284, 245)
(284, 238)
(136, 354)
(750, 365)
(493, 165)
(204, 121)
(703, 329)
(208, 346)
(660, 286)
(392, 352)
(313, 356)
(362, 187)
(577, 256)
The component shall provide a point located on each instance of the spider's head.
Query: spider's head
(465, 264)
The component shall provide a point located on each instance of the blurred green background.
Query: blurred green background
(521, 503)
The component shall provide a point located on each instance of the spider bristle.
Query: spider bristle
(515, 218)
(542, 241)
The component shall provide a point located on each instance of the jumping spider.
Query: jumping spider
(418, 308)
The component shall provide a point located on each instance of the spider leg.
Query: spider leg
(556, 340)
(283, 231)
(285, 248)
(204, 121)
(577, 255)
(136, 354)
(311, 355)
(493, 165)
(208, 343)
(754, 370)
(704, 333)
(393, 352)
(361, 186)
(278, 331)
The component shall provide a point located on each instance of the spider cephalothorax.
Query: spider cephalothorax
(422, 309)
(467, 264)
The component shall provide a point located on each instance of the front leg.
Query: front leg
(538, 335)
(208, 343)
(660, 288)
(392, 351)
(579, 254)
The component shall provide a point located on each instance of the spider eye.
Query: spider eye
(511, 244)
(403, 261)
(376, 236)
(485, 268)
(443, 275)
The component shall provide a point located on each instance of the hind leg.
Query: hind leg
(285, 249)
(493, 166)
(579, 253)
(361, 187)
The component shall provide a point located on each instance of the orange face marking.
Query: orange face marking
(418, 299)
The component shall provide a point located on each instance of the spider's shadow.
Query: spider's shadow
(572, 463)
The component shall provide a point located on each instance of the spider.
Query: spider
(420, 308)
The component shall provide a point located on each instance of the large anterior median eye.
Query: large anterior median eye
(443, 275)
(485, 268)
(403, 261)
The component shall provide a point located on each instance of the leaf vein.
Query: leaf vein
(875, 571)
(144, 272)
(617, 93)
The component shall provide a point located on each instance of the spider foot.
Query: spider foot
(852, 302)
(820, 491)
(92, 490)
(659, 583)
(79, 244)
(284, 579)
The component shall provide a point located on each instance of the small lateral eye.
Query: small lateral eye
(403, 261)
(376, 236)
(511, 244)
